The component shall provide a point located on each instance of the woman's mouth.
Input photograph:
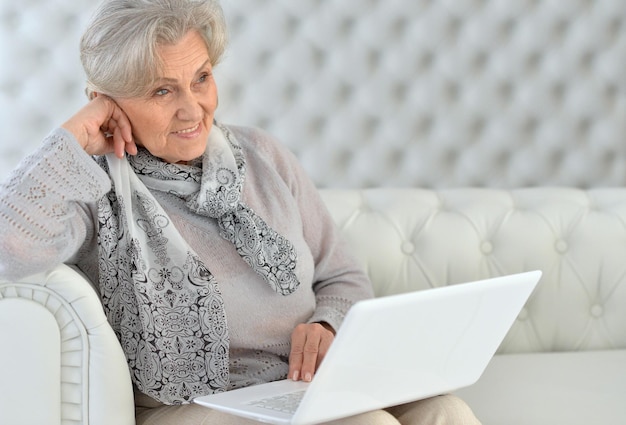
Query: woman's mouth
(189, 133)
(188, 130)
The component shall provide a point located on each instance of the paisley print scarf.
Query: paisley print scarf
(162, 301)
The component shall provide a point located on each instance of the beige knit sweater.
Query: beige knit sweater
(48, 216)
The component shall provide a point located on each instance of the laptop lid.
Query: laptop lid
(401, 348)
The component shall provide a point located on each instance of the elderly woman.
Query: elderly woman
(217, 264)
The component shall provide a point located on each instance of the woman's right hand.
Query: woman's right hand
(102, 127)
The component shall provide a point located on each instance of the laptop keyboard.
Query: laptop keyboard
(286, 403)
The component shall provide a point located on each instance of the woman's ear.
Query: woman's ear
(91, 95)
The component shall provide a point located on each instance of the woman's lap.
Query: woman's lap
(440, 410)
(444, 409)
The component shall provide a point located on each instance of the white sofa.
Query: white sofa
(417, 94)
(562, 363)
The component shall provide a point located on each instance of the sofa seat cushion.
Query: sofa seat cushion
(557, 388)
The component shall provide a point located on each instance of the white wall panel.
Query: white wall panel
(424, 93)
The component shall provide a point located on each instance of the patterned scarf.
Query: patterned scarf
(162, 301)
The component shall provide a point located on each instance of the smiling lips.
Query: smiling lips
(188, 131)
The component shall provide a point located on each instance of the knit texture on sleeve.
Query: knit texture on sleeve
(43, 206)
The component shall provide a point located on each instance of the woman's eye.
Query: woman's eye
(203, 78)
(161, 92)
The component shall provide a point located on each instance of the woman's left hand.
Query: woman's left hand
(309, 344)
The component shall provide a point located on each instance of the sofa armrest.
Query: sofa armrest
(61, 361)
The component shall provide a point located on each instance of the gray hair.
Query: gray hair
(118, 49)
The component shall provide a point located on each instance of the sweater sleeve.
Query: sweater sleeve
(339, 280)
(47, 206)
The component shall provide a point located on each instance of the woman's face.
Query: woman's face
(174, 120)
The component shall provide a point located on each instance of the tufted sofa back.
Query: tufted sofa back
(412, 239)
(502, 93)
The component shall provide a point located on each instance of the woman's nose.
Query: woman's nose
(190, 107)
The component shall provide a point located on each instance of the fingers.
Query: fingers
(102, 127)
(117, 135)
(309, 345)
(122, 123)
(119, 129)
(119, 143)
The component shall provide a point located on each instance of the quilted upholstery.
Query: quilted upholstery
(407, 239)
(415, 239)
(504, 93)
(433, 94)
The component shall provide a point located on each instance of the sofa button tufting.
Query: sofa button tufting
(408, 247)
(561, 246)
(597, 310)
(486, 247)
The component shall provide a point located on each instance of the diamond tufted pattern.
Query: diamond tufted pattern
(407, 239)
(502, 93)
(436, 94)
(415, 239)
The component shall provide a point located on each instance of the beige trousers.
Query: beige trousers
(440, 410)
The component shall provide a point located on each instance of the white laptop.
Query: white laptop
(393, 350)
